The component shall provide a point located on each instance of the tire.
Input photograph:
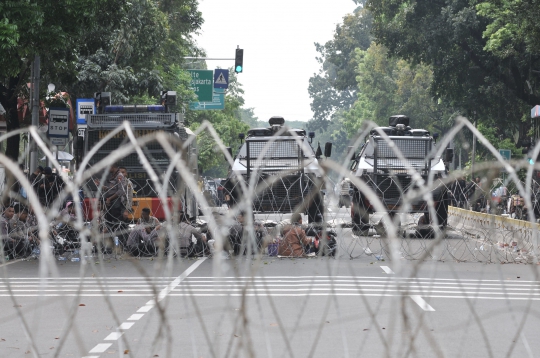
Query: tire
(316, 208)
(360, 215)
(381, 227)
(442, 210)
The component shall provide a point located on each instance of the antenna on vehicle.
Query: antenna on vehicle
(318, 153)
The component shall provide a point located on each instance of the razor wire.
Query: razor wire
(493, 220)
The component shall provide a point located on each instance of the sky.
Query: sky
(279, 54)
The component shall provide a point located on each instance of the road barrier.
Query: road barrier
(510, 239)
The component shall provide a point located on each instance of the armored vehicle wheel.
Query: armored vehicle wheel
(360, 215)
(442, 210)
(316, 209)
(381, 228)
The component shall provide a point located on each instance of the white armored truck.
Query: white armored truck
(390, 177)
(287, 174)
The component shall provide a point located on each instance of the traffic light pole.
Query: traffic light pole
(238, 59)
(209, 58)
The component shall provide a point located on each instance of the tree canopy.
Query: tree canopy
(128, 48)
(334, 87)
(473, 67)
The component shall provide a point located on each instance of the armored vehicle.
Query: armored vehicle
(390, 177)
(287, 174)
(144, 120)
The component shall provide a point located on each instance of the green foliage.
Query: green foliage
(131, 49)
(468, 73)
(227, 123)
(143, 54)
(334, 87)
(336, 134)
(491, 134)
(390, 86)
(352, 34)
(9, 36)
(247, 115)
(505, 36)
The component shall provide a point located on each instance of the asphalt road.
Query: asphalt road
(268, 307)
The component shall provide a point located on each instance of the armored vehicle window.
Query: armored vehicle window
(278, 149)
(368, 150)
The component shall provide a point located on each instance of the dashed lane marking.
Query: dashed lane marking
(420, 302)
(388, 270)
(102, 347)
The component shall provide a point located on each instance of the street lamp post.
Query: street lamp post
(35, 111)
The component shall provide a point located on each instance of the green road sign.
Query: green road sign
(506, 154)
(202, 83)
(218, 102)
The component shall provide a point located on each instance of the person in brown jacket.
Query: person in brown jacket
(294, 238)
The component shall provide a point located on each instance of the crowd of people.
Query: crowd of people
(475, 196)
(112, 224)
(113, 221)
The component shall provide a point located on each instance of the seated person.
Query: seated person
(186, 233)
(144, 238)
(31, 222)
(147, 219)
(294, 238)
(12, 236)
(20, 230)
(237, 234)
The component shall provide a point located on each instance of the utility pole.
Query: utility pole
(35, 111)
(473, 147)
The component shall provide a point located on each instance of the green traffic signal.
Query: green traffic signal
(239, 60)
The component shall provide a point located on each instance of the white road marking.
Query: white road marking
(353, 277)
(356, 294)
(11, 262)
(77, 278)
(388, 270)
(135, 317)
(179, 279)
(145, 309)
(272, 278)
(420, 302)
(278, 286)
(114, 336)
(126, 325)
(100, 348)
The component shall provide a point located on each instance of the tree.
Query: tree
(506, 37)
(42, 28)
(334, 87)
(128, 48)
(227, 123)
(141, 54)
(389, 86)
(449, 36)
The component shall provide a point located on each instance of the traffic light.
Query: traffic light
(239, 61)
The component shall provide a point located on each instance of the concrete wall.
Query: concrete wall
(499, 231)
